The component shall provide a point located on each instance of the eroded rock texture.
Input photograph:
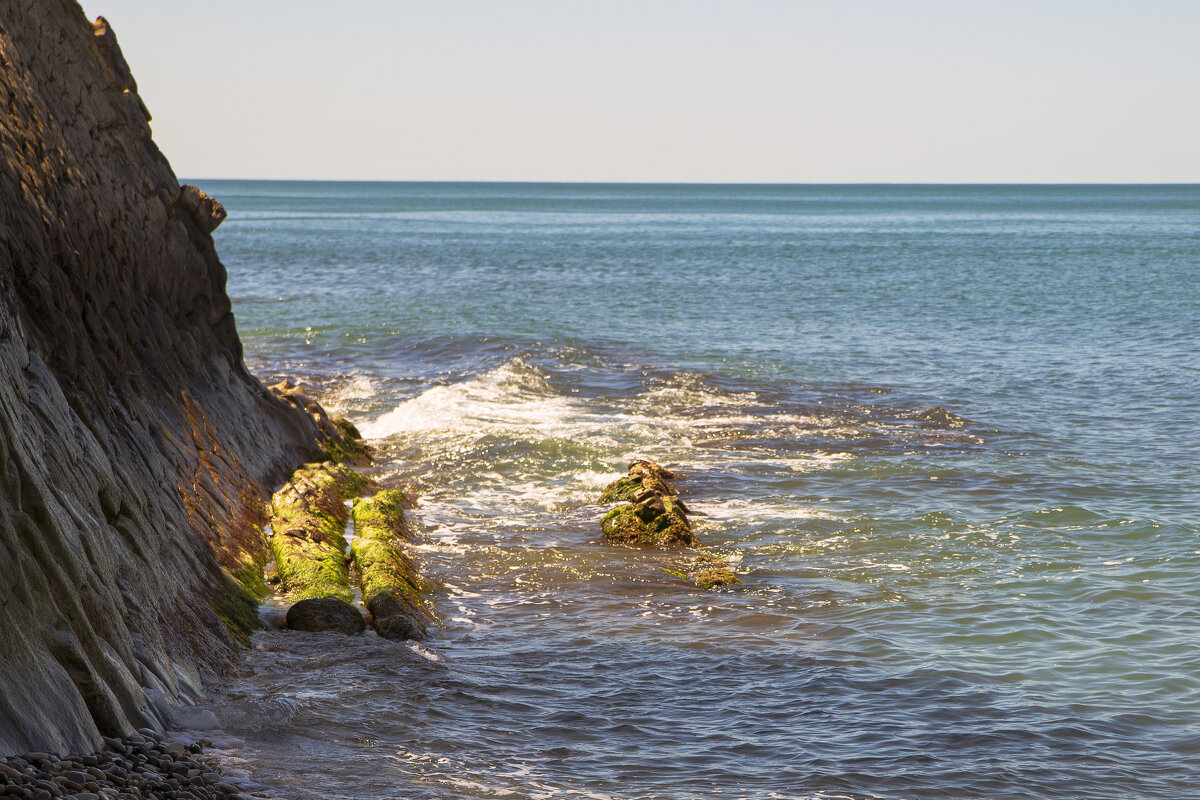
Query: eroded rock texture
(134, 446)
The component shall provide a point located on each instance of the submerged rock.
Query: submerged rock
(940, 417)
(325, 614)
(713, 577)
(391, 588)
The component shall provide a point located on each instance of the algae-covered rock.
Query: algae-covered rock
(381, 516)
(643, 476)
(325, 614)
(391, 587)
(715, 576)
(309, 520)
(656, 521)
(656, 517)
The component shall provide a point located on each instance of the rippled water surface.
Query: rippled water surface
(947, 435)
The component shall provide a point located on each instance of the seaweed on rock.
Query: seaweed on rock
(309, 519)
(391, 588)
(654, 516)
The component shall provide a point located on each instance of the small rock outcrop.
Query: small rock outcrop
(655, 516)
(339, 439)
(325, 615)
(391, 588)
(652, 515)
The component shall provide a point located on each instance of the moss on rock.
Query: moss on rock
(643, 476)
(391, 588)
(714, 577)
(345, 443)
(237, 608)
(381, 516)
(309, 568)
(309, 520)
(656, 521)
(656, 517)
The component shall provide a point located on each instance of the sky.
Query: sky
(773, 91)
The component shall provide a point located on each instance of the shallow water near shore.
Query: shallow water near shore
(946, 435)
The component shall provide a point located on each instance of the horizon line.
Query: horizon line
(698, 183)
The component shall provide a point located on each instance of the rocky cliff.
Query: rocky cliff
(135, 449)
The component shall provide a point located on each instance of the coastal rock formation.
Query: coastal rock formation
(325, 615)
(643, 476)
(308, 522)
(340, 440)
(391, 588)
(654, 516)
(134, 445)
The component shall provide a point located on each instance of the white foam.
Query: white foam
(516, 398)
(514, 395)
(424, 652)
(349, 396)
(752, 511)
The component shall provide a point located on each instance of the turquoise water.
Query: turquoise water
(997, 602)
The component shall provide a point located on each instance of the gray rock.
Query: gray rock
(131, 429)
(325, 614)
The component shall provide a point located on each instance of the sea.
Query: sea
(948, 436)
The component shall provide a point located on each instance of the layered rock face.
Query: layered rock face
(135, 449)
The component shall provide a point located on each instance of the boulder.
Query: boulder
(325, 614)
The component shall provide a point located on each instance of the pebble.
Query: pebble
(144, 765)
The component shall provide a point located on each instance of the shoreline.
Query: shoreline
(146, 764)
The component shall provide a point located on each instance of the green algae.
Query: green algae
(346, 445)
(237, 608)
(391, 588)
(621, 489)
(654, 522)
(309, 520)
(249, 576)
(381, 516)
(715, 577)
(309, 568)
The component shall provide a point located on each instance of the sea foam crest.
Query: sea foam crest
(515, 395)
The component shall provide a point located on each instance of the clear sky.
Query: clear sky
(659, 90)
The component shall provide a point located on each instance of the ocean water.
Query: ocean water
(947, 435)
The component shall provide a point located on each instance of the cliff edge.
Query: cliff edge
(135, 448)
